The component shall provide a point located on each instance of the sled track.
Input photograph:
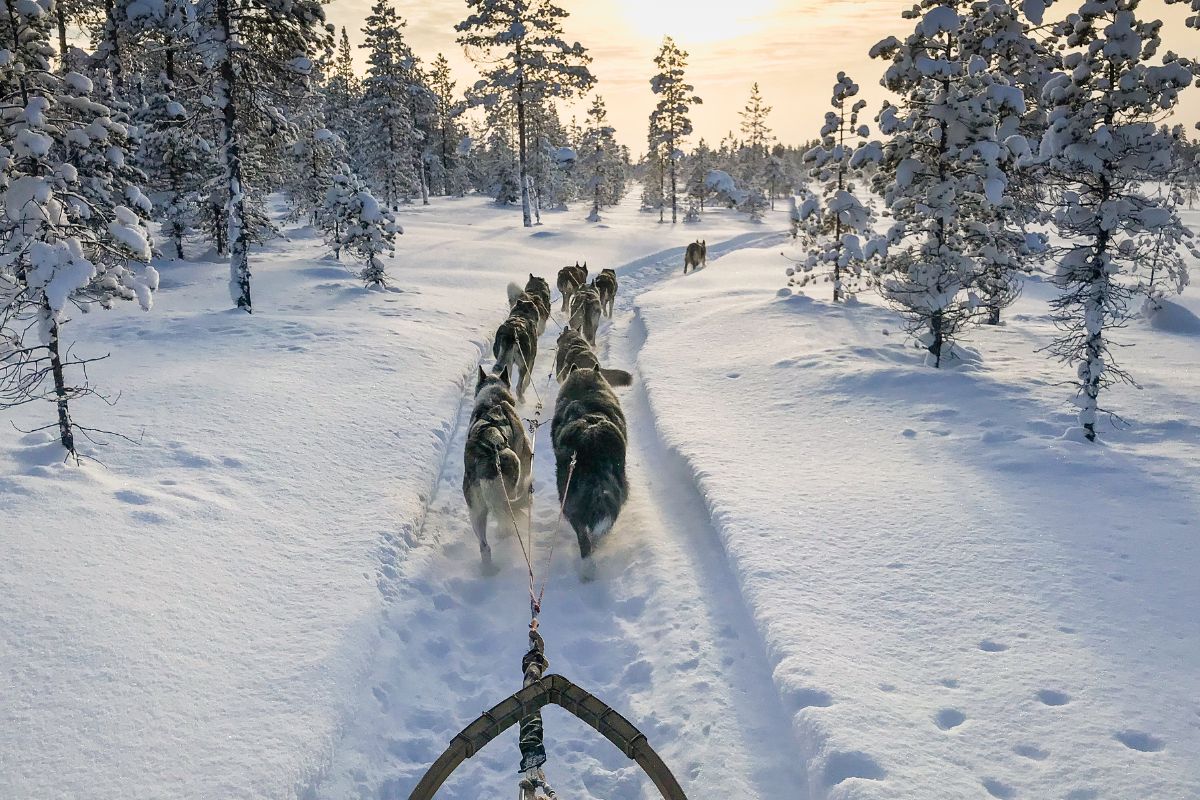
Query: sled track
(662, 634)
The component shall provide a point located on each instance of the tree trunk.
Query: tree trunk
(114, 54)
(526, 215)
(239, 258)
(674, 203)
(936, 327)
(66, 434)
(60, 15)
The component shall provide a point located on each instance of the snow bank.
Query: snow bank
(956, 602)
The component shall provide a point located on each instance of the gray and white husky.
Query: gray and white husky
(537, 291)
(569, 281)
(585, 312)
(515, 346)
(606, 284)
(589, 427)
(497, 460)
(574, 353)
(696, 256)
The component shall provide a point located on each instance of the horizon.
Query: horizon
(779, 41)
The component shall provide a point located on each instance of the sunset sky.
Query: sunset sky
(793, 48)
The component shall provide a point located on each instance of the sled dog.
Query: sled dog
(528, 307)
(606, 284)
(696, 256)
(515, 347)
(538, 291)
(575, 353)
(585, 312)
(569, 281)
(589, 426)
(497, 460)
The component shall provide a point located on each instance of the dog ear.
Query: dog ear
(504, 376)
(531, 276)
(482, 377)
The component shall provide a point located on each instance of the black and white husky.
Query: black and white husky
(585, 312)
(606, 284)
(589, 428)
(536, 291)
(696, 256)
(497, 461)
(515, 346)
(574, 353)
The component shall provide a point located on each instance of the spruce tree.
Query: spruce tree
(71, 231)
(390, 135)
(1101, 139)
(669, 122)
(519, 47)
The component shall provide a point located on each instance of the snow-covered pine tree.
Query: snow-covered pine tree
(942, 172)
(355, 223)
(255, 50)
(447, 131)
(600, 161)
(519, 46)
(756, 139)
(702, 161)
(1101, 138)
(775, 173)
(343, 100)
(670, 124)
(390, 136)
(68, 234)
(318, 156)
(833, 222)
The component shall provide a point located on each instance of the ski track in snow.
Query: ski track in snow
(662, 634)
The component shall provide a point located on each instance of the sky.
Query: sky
(792, 48)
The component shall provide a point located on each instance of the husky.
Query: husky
(606, 284)
(530, 308)
(569, 281)
(497, 460)
(589, 428)
(538, 291)
(696, 256)
(515, 348)
(585, 312)
(575, 353)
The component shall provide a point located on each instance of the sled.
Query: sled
(556, 690)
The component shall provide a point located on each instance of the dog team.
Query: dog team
(588, 429)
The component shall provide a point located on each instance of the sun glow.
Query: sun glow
(696, 21)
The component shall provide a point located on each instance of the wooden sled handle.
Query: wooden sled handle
(557, 690)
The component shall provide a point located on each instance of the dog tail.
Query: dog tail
(514, 291)
(617, 377)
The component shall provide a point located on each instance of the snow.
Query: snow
(841, 574)
(957, 601)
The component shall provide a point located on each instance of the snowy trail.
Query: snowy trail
(662, 633)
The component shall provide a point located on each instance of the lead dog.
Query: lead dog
(585, 312)
(575, 353)
(569, 281)
(536, 290)
(696, 256)
(497, 460)
(606, 284)
(589, 428)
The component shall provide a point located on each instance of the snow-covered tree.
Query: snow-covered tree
(71, 232)
(600, 161)
(670, 124)
(1102, 136)
(343, 99)
(176, 158)
(943, 172)
(701, 162)
(835, 224)
(390, 146)
(319, 155)
(255, 50)
(355, 223)
(448, 132)
(519, 46)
